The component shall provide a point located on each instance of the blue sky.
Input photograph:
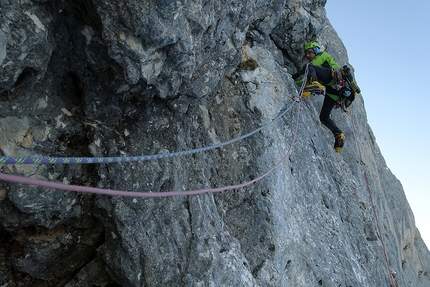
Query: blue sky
(388, 43)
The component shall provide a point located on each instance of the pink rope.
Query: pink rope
(86, 189)
(393, 283)
(77, 188)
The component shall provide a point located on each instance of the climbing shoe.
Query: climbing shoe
(306, 94)
(313, 87)
(339, 139)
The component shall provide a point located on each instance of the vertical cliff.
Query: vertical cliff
(107, 78)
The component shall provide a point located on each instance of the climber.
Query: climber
(320, 78)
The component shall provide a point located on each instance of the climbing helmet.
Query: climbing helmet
(313, 46)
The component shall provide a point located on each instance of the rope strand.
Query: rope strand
(95, 160)
(62, 186)
(373, 204)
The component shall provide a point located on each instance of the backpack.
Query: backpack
(342, 78)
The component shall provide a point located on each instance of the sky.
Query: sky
(388, 42)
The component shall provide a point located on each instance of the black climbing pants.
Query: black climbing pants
(324, 76)
(326, 109)
(321, 74)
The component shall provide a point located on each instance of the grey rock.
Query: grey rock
(109, 78)
(181, 47)
(25, 48)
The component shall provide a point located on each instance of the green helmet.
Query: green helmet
(314, 46)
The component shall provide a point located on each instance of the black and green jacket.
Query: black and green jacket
(324, 59)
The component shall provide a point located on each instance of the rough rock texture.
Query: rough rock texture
(109, 78)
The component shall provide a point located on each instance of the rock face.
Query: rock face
(113, 78)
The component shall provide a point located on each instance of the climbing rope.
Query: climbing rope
(372, 202)
(93, 160)
(62, 186)
(88, 160)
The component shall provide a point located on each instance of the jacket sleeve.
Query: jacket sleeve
(323, 59)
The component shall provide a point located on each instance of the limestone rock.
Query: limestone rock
(124, 78)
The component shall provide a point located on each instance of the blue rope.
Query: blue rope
(89, 160)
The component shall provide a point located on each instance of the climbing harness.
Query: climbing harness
(338, 81)
(393, 283)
